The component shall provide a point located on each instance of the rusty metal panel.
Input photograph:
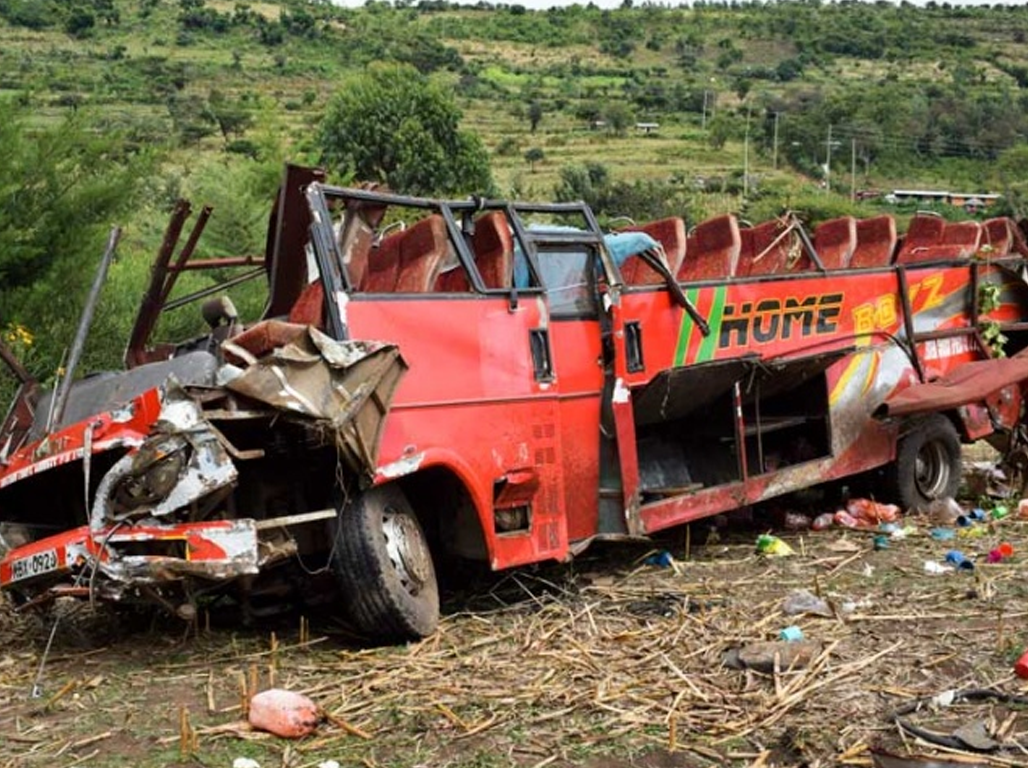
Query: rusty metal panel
(967, 384)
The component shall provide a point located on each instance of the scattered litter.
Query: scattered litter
(902, 533)
(283, 713)
(760, 657)
(971, 735)
(869, 512)
(975, 532)
(804, 602)
(977, 514)
(868, 570)
(957, 559)
(796, 521)
(245, 762)
(999, 512)
(942, 534)
(1021, 666)
(881, 542)
(944, 512)
(773, 546)
(662, 558)
(328, 764)
(934, 568)
(822, 521)
(845, 519)
(1022, 508)
(975, 736)
(1001, 553)
(791, 634)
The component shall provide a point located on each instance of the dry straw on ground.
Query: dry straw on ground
(590, 663)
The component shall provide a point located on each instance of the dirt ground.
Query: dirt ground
(607, 662)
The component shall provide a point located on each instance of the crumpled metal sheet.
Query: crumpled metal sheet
(216, 553)
(180, 429)
(346, 384)
(969, 383)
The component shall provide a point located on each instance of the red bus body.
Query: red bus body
(554, 394)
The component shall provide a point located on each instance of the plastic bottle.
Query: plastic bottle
(998, 513)
(822, 522)
(802, 601)
(956, 558)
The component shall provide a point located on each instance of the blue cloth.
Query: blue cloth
(620, 245)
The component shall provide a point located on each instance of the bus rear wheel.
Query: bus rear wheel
(927, 465)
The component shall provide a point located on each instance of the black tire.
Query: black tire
(384, 566)
(927, 465)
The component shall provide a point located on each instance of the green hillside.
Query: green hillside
(745, 102)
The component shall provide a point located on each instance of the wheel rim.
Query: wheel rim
(931, 470)
(406, 549)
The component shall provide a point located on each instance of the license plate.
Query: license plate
(34, 565)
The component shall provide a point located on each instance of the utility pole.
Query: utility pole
(828, 162)
(774, 151)
(853, 170)
(746, 157)
(704, 123)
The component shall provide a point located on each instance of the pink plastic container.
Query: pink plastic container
(284, 713)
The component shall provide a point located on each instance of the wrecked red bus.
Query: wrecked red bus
(501, 381)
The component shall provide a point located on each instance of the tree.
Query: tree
(619, 117)
(393, 125)
(61, 189)
(533, 156)
(1010, 169)
(535, 114)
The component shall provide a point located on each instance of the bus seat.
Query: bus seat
(876, 242)
(712, 250)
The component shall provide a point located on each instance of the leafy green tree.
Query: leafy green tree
(535, 115)
(619, 117)
(61, 189)
(393, 125)
(1010, 169)
(533, 156)
(232, 117)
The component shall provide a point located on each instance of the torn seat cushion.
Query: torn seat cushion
(263, 337)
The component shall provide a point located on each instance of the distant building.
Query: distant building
(971, 202)
(647, 127)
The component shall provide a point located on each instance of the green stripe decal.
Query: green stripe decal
(717, 309)
(685, 330)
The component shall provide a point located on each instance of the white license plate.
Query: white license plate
(34, 565)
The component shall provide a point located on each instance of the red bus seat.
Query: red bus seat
(670, 233)
(876, 242)
(960, 240)
(923, 237)
(712, 250)
(835, 240)
(997, 237)
(408, 261)
(765, 249)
